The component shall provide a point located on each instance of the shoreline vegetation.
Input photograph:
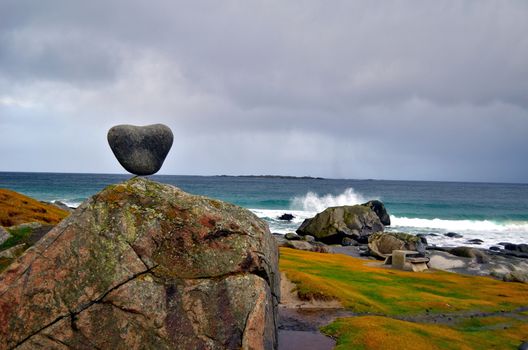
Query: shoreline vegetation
(393, 309)
(350, 297)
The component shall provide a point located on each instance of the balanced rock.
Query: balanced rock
(379, 208)
(143, 265)
(381, 244)
(141, 150)
(335, 223)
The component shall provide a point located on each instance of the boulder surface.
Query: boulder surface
(335, 223)
(382, 243)
(143, 265)
(379, 208)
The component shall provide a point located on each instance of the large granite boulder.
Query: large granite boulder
(333, 224)
(380, 244)
(143, 265)
(379, 208)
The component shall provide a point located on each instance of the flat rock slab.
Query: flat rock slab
(141, 150)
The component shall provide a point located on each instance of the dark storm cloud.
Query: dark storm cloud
(393, 89)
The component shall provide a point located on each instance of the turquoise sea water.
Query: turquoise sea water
(492, 212)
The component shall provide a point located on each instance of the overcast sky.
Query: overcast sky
(432, 90)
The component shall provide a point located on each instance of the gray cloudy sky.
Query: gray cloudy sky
(434, 90)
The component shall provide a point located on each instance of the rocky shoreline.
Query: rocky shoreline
(359, 231)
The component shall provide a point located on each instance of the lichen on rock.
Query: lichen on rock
(145, 265)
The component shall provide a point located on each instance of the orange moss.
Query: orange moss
(16, 209)
(362, 287)
(377, 332)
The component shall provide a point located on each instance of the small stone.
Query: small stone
(453, 235)
(309, 238)
(347, 241)
(523, 346)
(292, 236)
(141, 150)
(495, 249)
(475, 241)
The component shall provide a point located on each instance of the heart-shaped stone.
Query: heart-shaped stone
(141, 150)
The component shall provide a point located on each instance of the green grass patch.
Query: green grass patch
(377, 332)
(18, 236)
(363, 288)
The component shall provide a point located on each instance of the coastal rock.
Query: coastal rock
(291, 236)
(516, 276)
(382, 243)
(62, 206)
(286, 217)
(467, 252)
(141, 150)
(311, 247)
(309, 238)
(521, 248)
(4, 235)
(379, 208)
(145, 265)
(13, 252)
(453, 235)
(335, 223)
(475, 241)
(347, 241)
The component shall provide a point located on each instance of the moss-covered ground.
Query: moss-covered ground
(16, 209)
(369, 290)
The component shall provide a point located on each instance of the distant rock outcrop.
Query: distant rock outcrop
(143, 265)
(335, 223)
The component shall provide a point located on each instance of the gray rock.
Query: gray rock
(523, 346)
(516, 276)
(453, 235)
(495, 249)
(347, 241)
(286, 217)
(13, 252)
(475, 241)
(382, 243)
(477, 255)
(292, 236)
(334, 223)
(379, 208)
(141, 150)
(4, 235)
(303, 245)
(309, 238)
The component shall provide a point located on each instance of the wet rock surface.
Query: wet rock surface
(145, 265)
(333, 224)
(141, 150)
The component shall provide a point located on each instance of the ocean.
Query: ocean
(491, 212)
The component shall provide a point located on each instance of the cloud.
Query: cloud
(427, 90)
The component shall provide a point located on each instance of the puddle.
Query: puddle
(295, 340)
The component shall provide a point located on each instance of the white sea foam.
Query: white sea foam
(490, 232)
(312, 202)
(461, 225)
